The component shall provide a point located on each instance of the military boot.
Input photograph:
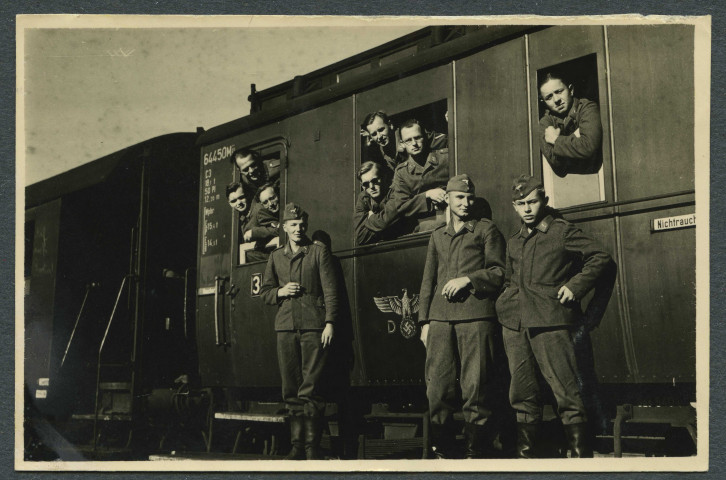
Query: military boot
(297, 452)
(479, 441)
(442, 441)
(527, 434)
(579, 439)
(313, 434)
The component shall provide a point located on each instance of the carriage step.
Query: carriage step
(251, 417)
(103, 417)
(118, 386)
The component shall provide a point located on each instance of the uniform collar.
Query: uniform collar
(412, 165)
(303, 248)
(570, 117)
(542, 226)
(468, 225)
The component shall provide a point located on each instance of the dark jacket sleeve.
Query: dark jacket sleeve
(263, 224)
(490, 278)
(270, 284)
(404, 201)
(428, 283)
(590, 139)
(363, 235)
(329, 285)
(559, 165)
(507, 269)
(595, 261)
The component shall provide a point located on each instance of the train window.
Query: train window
(386, 147)
(258, 224)
(570, 136)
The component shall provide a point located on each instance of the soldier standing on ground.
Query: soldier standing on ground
(463, 274)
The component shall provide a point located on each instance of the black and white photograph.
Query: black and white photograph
(418, 244)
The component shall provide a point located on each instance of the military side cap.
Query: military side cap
(293, 211)
(460, 183)
(524, 185)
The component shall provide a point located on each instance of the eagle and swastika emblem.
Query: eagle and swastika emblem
(405, 306)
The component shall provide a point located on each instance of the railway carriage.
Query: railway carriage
(478, 84)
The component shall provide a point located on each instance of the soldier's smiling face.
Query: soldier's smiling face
(531, 208)
(237, 200)
(295, 230)
(249, 167)
(270, 200)
(379, 131)
(460, 203)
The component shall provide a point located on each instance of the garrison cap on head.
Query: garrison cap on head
(524, 185)
(293, 211)
(460, 183)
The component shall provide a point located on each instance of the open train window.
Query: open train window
(258, 226)
(571, 132)
(382, 144)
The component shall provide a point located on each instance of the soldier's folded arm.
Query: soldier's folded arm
(558, 165)
(585, 145)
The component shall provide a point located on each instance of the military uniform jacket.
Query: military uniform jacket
(476, 251)
(573, 153)
(411, 180)
(554, 254)
(263, 224)
(312, 267)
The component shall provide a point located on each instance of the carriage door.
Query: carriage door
(252, 327)
(215, 254)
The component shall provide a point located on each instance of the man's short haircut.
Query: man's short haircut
(553, 74)
(264, 187)
(371, 117)
(232, 187)
(410, 123)
(244, 152)
(383, 172)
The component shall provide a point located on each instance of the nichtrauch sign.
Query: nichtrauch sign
(669, 223)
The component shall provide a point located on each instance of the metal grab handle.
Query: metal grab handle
(217, 328)
(78, 319)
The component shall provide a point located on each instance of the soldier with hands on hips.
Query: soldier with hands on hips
(463, 274)
(551, 266)
(300, 279)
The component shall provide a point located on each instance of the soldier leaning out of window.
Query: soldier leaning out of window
(264, 222)
(570, 129)
(419, 182)
(237, 200)
(253, 173)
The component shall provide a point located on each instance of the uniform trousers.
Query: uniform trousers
(552, 351)
(473, 343)
(301, 356)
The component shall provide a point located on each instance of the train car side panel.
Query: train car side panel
(612, 352)
(653, 151)
(390, 347)
(660, 281)
(493, 135)
(320, 170)
(40, 292)
(215, 254)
